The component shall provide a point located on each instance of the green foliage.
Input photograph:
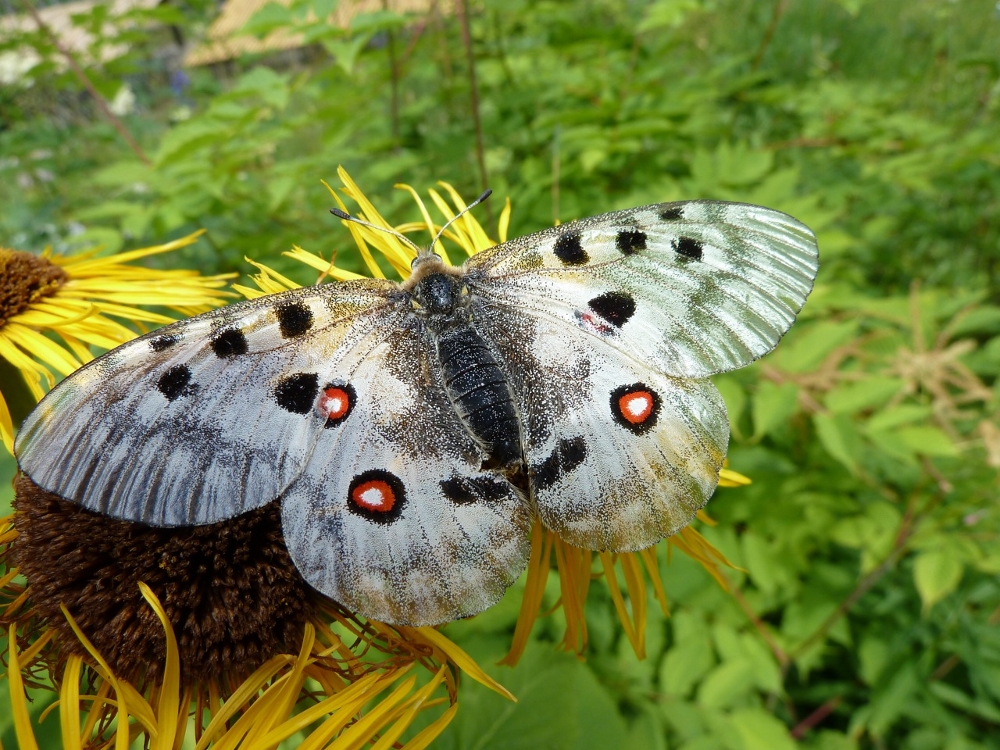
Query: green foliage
(867, 544)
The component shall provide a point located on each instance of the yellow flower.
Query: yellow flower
(54, 308)
(358, 674)
(359, 677)
(356, 698)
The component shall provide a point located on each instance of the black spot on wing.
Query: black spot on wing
(175, 382)
(229, 342)
(630, 241)
(294, 319)
(161, 343)
(688, 247)
(569, 249)
(462, 490)
(671, 214)
(615, 307)
(569, 454)
(297, 393)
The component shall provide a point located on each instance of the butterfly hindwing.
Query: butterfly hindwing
(393, 514)
(692, 288)
(204, 419)
(620, 456)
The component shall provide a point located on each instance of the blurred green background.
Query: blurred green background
(868, 603)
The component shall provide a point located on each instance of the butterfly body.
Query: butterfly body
(414, 431)
(469, 370)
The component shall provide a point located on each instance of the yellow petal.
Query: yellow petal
(428, 223)
(504, 223)
(6, 427)
(463, 661)
(168, 704)
(730, 478)
(325, 266)
(18, 702)
(427, 735)
(90, 265)
(69, 702)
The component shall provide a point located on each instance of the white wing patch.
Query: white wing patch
(692, 288)
(620, 455)
(201, 420)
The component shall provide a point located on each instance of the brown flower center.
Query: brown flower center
(24, 279)
(231, 591)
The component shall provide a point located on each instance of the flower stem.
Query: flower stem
(463, 12)
(87, 83)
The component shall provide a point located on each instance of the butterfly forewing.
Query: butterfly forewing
(691, 288)
(204, 419)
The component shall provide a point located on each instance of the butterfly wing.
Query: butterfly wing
(606, 325)
(619, 455)
(324, 396)
(204, 419)
(393, 515)
(692, 288)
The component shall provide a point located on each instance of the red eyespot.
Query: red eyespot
(376, 495)
(335, 403)
(635, 407)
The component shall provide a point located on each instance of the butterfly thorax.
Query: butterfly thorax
(469, 369)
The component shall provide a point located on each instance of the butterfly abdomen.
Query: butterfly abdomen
(477, 387)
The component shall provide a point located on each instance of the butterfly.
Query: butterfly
(414, 431)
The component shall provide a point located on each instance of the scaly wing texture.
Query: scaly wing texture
(620, 455)
(691, 288)
(393, 515)
(204, 419)
(606, 325)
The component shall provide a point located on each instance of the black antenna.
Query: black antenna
(347, 217)
(486, 194)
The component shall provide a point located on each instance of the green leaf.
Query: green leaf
(765, 566)
(726, 684)
(936, 574)
(872, 391)
(981, 319)
(735, 397)
(664, 14)
(690, 657)
(873, 656)
(773, 405)
(897, 415)
(122, 173)
(930, 441)
(271, 17)
(759, 730)
(263, 82)
(345, 51)
(808, 346)
(891, 697)
(840, 438)
(188, 138)
(324, 8)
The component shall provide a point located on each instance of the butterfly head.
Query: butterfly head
(438, 294)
